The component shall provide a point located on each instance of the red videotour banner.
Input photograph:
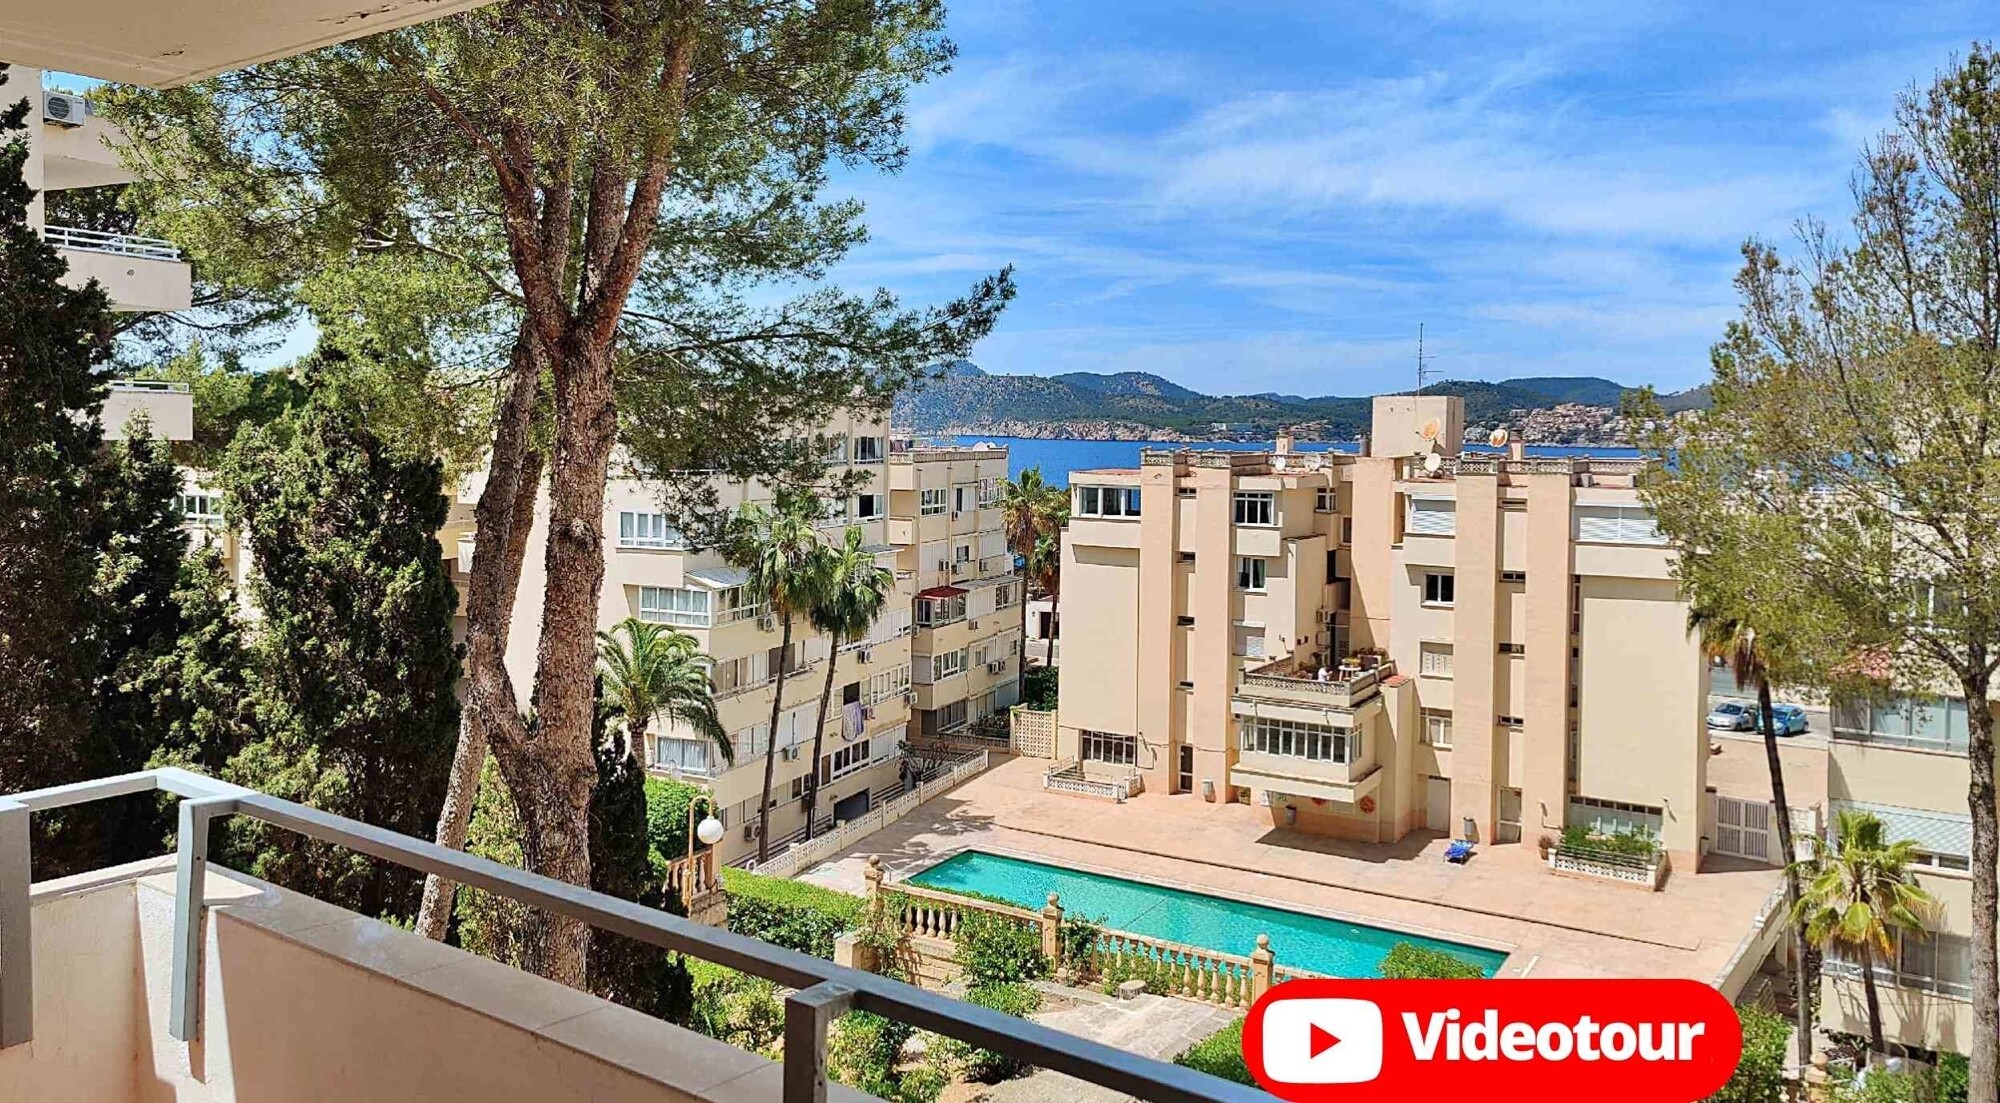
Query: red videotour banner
(1633, 1041)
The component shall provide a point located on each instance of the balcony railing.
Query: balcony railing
(821, 990)
(1343, 688)
(124, 245)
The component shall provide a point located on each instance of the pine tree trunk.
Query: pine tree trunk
(551, 776)
(1985, 1070)
(771, 744)
(502, 521)
(819, 733)
(1802, 1016)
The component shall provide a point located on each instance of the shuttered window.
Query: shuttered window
(1617, 525)
(1432, 517)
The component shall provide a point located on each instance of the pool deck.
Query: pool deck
(1504, 898)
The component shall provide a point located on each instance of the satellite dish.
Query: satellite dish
(1430, 430)
(1499, 438)
(1432, 461)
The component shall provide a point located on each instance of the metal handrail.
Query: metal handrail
(822, 989)
(98, 241)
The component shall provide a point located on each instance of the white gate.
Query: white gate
(1437, 804)
(1743, 828)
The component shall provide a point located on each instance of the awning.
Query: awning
(1344, 792)
(1936, 832)
(943, 591)
(718, 578)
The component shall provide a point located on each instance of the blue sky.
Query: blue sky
(1257, 196)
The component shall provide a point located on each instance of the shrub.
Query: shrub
(737, 1008)
(1634, 844)
(984, 1065)
(1946, 1083)
(1219, 1054)
(1078, 946)
(1759, 1075)
(792, 914)
(1040, 689)
(667, 802)
(994, 949)
(864, 1051)
(1409, 961)
(1116, 969)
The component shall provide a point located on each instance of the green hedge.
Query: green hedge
(1220, 1054)
(1409, 961)
(792, 914)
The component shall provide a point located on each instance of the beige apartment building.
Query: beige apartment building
(912, 674)
(1487, 646)
(944, 518)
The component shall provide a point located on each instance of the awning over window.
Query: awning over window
(943, 591)
(1936, 832)
(718, 578)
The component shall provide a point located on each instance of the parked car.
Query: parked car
(1732, 717)
(1788, 720)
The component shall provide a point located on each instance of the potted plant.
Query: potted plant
(1545, 844)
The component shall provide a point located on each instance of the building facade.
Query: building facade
(944, 518)
(1487, 646)
(879, 699)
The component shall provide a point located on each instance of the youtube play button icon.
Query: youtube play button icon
(1322, 1041)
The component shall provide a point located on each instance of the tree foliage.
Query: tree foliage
(356, 695)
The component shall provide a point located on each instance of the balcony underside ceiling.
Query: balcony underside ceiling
(163, 43)
(1344, 792)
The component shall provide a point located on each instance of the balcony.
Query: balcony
(139, 273)
(1287, 681)
(1325, 779)
(169, 408)
(79, 151)
(177, 977)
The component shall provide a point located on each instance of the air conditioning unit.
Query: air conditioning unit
(944, 564)
(63, 108)
(767, 622)
(789, 754)
(910, 698)
(996, 666)
(868, 712)
(974, 625)
(954, 515)
(750, 831)
(866, 654)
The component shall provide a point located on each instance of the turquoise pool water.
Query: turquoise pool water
(1303, 941)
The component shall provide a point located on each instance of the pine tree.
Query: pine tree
(52, 386)
(355, 703)
(201, 687)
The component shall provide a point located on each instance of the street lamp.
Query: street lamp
(710, 829)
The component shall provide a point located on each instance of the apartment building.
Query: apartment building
(1410, 638)
(71, 146)
(944, 518)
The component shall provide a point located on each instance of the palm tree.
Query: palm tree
(778, 545)
(1735, 643)
(1859, 893)
(1044, 570)
(848, 596)
(652, 671)
(1024, 513)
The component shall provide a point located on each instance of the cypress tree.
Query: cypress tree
(52, 385)
(355, 706)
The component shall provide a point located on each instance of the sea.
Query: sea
(1057, 458)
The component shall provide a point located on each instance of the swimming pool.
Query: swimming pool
(1311, 942)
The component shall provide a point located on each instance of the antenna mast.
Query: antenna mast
(1423, 363)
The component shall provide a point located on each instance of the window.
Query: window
(843, 762)
(1119, 750)
(1935, 860)
(1107, 501)
(1440, 589)
(867, 449)
(1932, 723)
(1939, 963)
(959, 498)
(1514, 576)
(933, 611)
(935, 502)
(1253, 642)
(1617, 525)
(1250, 573)
(1313, 742)
(1185, 684)
(836, 449)
(672, 605)
(889, 683)
(1184, 622)
(646, 530)
(1437, 729)
(1003, 595)
(1510, 721)
(949, 718)
(1513, 649)
(989, 493)
(1255, 507)
(1347, 530)
(1434, 659)
(1432, 517)
(837, 511)
(200, 506)
(683, 755)
(1185, 557)
(945, 665)
(962, 553)
(867, 507)
(1323, 499)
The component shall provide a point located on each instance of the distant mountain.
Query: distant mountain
(965, 397)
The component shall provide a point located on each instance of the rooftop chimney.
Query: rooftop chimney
(1516, 449)
(1285, 441)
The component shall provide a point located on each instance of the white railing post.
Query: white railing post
(190, 884)
(17, 977)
